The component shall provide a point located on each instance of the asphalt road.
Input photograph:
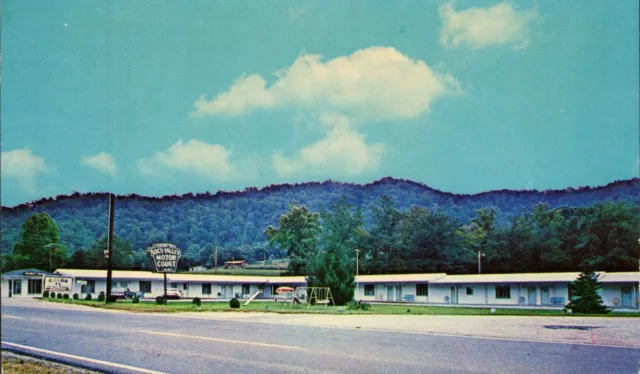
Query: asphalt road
(119, 342)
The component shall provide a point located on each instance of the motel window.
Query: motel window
(145, 286)
(469, 291)
(369, 290)
(35, 286)
(206, 288)
(503, 292)
(173, 285)
(245, 289)
(124, 284)
(90, 287)
(422, 289)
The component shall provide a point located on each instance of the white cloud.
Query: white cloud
(23, 166)
(372, 84)
(209, 161)
(103, 162)
(246, 93)
(343, 152)
(482, 27)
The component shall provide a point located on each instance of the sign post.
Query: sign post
(165, 258)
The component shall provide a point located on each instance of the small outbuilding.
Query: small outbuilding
(23, 282)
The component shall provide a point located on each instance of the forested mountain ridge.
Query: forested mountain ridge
(237, 220)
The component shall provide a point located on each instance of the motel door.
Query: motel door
(454, 295)
(389, 293)
(10, 287)
(626, 296)
(398, 293)
(544, 294)
(533, 295)
(17, 287)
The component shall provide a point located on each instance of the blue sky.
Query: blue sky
(164, 97)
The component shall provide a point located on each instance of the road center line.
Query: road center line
(14, 317)
(80, 358)
(223, 340)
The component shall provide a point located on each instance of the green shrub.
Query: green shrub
(52, 295)
(76, 296)
(112, 299)
(45, 294)
(59, 296)
(160, 300)
(234, 303)
(196, 301)
(357, 305)
(65, 296)
(101, 296)
(135, 300)
(88, 297)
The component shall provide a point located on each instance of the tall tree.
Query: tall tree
(434, 242)
(548, 228)
(123, 255)
(608, 235)
(484, 236)
(298, 236)
(334, 265)
(385, 236)
(39, 245)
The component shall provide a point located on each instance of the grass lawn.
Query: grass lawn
(270, 307)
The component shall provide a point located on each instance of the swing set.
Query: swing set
(312, 296)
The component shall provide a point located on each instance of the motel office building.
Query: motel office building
(619, 290)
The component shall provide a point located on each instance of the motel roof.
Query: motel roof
(184, 277)
(630, 276)
(180, 277)
(510, 278)
(394, 278)
(116, 274)
(24, 272)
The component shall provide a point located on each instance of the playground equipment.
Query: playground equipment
(313, 296)
(253, 297)
(284, 295)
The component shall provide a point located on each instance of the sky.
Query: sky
(168, 97)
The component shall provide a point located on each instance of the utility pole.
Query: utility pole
(215, 269)
(480, 255)
(112, 206)
(357, 267)
(357, 262)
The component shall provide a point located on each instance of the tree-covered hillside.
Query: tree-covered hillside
(235, 221)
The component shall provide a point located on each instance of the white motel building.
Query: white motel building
(619, 290)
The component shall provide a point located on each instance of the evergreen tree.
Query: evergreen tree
(585, 297)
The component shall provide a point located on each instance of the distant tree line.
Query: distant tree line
(399, 227)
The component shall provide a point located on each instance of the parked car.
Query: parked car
(131, 294)
(118, 293)
(173, 293)
(122, 293)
